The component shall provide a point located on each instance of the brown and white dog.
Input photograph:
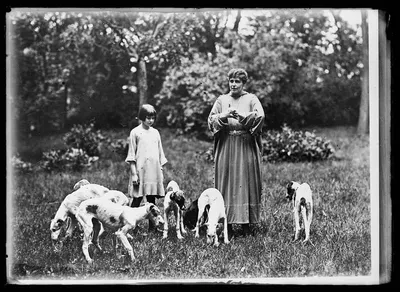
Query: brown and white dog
(69, 207)
(174, 201)
(211, 204)
(301, 196)
(93, 212)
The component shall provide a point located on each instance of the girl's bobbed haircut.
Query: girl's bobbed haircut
(238, 73)
(147, 110)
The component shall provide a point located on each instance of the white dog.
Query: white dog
(211, 204)
(92, 212)
(174, 201)
(81, 183)
(301, 196)
(70, 205)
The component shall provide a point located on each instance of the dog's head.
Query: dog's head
(81, 183)
(154, 214)
(291, 188)
(179, 198)
(190, 215)
(56, 225)
(55, 228)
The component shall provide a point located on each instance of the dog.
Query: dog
(174, 201)
(211, 205)
(81, 183)
(190, 215)
(301, 196)
(69, 207)
(94, 211)
(116, 197)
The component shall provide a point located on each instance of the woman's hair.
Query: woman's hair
(238, 73)
(147, 110)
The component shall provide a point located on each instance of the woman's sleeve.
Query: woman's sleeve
(215, 124)
(254, 120)
(132, 148)
(163, 159)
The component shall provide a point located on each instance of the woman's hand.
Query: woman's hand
(230, 113)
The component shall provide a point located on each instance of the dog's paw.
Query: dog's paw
(179, 236)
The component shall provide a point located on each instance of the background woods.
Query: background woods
(73, 68)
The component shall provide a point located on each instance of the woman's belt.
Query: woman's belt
(238, 132)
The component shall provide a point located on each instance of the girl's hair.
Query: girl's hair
(147, 110)
(238, 73)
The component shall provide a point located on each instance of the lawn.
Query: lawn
(340, 231)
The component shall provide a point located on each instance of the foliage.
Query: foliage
(294, 146)
(302, 76)
(66, 159)
(189, 92)
(120, 146)
(70, 68)
(85, 137)
(21, 166)
(288, 145)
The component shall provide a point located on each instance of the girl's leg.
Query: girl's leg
(230, 231)
(246, 229)
(136, 202)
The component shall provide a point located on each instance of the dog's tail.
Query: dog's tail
(303, 202)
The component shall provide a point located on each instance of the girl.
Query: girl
(146, 158)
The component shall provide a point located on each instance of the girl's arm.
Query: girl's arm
(131, 157)
(163, 159)
(135, 177)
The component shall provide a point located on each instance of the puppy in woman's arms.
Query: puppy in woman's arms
(301, 196)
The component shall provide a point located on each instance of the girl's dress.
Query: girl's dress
(237, 156)
(146, 150)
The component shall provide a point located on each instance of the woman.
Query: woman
(236, 121)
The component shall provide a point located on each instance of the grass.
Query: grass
(340, 231)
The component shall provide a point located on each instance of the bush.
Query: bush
(21, 166)
(69, 159)
(120, 146)
(86, 138)
(288, 146)
(294, 146)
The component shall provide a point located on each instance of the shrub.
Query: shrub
(120, 146)
(294, 146)
(289, 146)
(86, 138)
(69, 159)
(21, 166)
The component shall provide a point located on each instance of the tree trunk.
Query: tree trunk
(237, 21)
(363, 119)
(142, 82)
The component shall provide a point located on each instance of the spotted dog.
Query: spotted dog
(81, 183)
(301, 196)
(211, 204)
(190, 215)
(93, 212)
(174, 201)
(69, 207)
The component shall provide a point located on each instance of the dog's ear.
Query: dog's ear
(60, 222)
(153, 210)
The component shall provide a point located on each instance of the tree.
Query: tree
(363, 120)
